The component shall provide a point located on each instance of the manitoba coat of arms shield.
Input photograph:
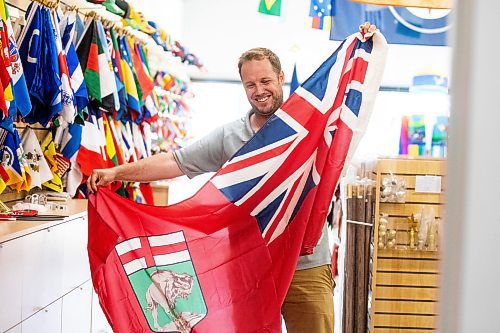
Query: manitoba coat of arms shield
(161, 273)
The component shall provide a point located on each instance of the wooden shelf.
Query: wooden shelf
(405, 282)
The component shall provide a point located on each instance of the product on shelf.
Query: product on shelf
(382, 231)
(393, 189)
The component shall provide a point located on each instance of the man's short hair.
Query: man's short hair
(260, 53)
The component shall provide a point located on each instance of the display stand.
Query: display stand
(405, 282)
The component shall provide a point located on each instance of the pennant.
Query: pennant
(38, 167)
(254, 217)
(49, 152)
(270, 7)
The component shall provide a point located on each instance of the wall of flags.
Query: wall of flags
(86, 85)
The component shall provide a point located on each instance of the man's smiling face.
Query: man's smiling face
(263, 86)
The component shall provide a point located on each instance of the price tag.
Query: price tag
(427, 184)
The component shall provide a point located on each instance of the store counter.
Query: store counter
(45, 282)
(77, 208)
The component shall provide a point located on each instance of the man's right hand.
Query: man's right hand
(100, 177)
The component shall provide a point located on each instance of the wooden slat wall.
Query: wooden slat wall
(405, 283)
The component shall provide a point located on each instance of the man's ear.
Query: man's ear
(281, 78)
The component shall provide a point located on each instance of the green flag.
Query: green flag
(270, 7)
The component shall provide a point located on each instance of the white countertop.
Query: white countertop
(14, 229)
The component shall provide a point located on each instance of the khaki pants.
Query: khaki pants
(308, 306)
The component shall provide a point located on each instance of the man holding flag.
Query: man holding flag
(308, 306)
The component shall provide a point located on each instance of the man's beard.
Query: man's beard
(277, 102)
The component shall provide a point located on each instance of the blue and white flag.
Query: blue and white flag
(67, 26)
(40, 60)
(68, 111)
(400, 25)
(70, 141)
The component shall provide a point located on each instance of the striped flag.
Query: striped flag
(128, 77)
(67, 27)
(246, 227)
(88, 51)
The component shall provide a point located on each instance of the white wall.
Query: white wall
(472, 237)
(167, 14)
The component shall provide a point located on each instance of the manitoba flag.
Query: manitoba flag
(222, 260)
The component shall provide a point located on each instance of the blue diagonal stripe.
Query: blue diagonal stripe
(235, 192)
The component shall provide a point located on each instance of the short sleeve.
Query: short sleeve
(204, 155)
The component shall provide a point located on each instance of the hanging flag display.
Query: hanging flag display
(400, 25)
(150, 265)
(270, 7)
(103, 88)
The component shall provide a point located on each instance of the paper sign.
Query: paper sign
(427, 184)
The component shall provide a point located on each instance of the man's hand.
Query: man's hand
(367, 29)
(100, 177)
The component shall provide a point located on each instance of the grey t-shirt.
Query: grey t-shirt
(211, 152)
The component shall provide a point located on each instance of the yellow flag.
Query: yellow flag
(49, 151)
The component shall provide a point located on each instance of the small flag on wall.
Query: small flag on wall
(270, 7)
(321, 12)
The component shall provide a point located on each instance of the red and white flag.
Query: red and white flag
(245, 228)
